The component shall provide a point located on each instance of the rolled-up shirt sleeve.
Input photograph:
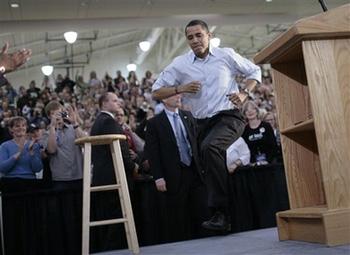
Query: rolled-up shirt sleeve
(167, 78)
(244, 66)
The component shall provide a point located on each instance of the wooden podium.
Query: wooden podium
(311, 73)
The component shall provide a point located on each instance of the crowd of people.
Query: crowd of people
(40, 123)
(134, 97)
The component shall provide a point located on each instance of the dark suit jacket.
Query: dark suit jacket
(162, 151)
(103, 169)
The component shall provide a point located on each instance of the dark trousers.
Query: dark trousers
(215, 135)
(183, 210)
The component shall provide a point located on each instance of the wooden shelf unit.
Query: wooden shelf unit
(310, 67)
(307, 125)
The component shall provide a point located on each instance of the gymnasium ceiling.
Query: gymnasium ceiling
(119, 25)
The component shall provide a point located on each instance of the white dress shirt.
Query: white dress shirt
(216, 73)
(238, 150)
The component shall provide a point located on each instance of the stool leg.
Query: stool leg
(120, 172)
(86, 199)
(120, 194)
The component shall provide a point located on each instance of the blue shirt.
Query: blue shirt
(216, 73)
(25, 166)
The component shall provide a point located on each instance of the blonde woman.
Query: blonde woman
(259, 136)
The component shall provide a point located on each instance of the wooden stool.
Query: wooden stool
(128, 219)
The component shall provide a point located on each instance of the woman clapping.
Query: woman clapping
(20, 158)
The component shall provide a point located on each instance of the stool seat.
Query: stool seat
(99, 139)
(121, 186)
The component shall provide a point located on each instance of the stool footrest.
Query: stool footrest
(105, 187)
(107, 222)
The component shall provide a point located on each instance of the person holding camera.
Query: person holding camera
(66, 158)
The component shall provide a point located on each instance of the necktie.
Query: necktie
(185, 154)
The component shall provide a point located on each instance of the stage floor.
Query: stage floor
(258, 242)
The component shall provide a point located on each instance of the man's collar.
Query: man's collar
(109, 113)
(194, 57)
(168, 112)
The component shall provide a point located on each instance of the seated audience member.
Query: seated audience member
(237, 154)
(259, 136)
(19, 158)
(66, 159)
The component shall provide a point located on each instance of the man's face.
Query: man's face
(119, 116)
(173, 102)
(198, 39)
(112, 103)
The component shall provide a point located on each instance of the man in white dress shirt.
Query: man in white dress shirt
(238, 154)
(205, 77)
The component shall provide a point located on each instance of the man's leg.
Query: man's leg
(219, 133)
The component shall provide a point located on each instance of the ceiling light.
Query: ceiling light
(215, 42)
(131, 67)
(268, 1)
(47, 70)
(70, 36)
(14, 5)
(145, 45)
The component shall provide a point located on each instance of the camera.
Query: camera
(64, 115)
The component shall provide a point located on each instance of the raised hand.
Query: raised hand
(14, 60)
(237, 98)
(72, 115)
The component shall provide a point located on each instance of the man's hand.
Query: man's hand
(161, 185)
(238, 99)
(192, 87)
(53, 120)
(72, 115)
(14, 60)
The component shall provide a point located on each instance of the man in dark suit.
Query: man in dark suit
(171, 148)
(106, 204)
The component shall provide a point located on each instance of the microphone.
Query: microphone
(323, 4)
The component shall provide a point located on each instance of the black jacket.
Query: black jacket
(103, 170)
(162, 151)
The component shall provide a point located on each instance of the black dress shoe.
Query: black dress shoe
(219, 222)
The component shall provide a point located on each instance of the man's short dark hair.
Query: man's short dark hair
(196, 22)
(103, 98)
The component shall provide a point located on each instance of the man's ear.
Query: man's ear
(210, 34)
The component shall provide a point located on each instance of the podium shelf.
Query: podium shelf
(306, 212)
(307, 125)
